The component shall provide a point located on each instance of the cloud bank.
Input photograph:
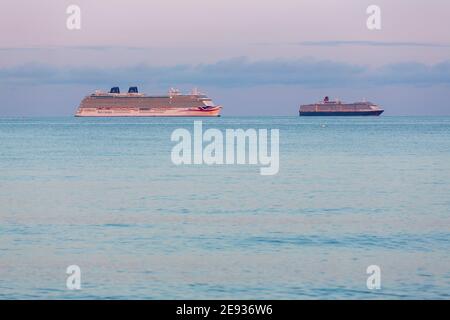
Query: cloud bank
(340, 43)
(236, 72)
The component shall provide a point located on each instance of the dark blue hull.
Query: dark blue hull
(342, 113)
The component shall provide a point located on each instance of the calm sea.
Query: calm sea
(103, 194)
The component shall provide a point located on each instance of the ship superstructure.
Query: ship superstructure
(135, 104)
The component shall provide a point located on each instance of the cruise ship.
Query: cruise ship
(329, 107)
(135, 104)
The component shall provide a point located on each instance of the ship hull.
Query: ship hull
(157, 112)
(341, 113)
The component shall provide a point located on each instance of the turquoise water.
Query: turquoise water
(103, 194)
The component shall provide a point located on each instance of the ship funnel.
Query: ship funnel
(114, 90)
(133, 90)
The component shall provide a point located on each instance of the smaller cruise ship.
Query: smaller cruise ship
(329, 107)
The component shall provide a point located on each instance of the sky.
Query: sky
(253, 57)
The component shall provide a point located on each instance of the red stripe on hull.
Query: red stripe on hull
(166, 112)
